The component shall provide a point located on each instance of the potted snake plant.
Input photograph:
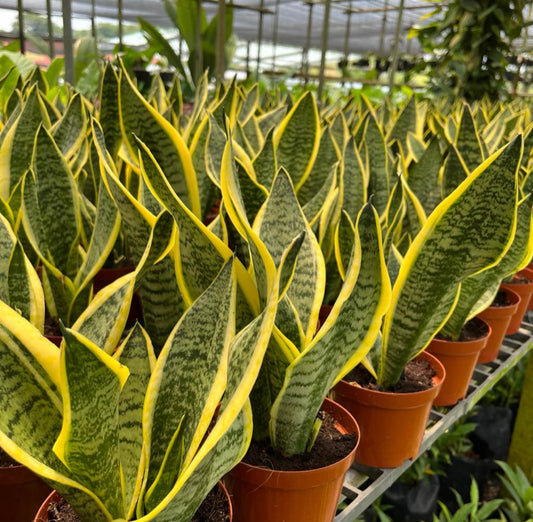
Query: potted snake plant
(468, 232)
(301, 364)
(151, 454)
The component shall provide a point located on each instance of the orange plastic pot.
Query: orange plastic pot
(265, 495)
(498, 318)
(459, 359)
(528, 272)
(392, 424)
(55, 497)
(524, 290)
(21, 493)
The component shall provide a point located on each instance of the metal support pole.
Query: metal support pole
(51, 40)
(221, 41)
(396, 51)
(259, 38)
(305, 54)
(67, 41)
(120, 29)
(275, 36)
(21, 27)
(248, 59)
(198, 52)
(325, 36)
(383, 29)
(347, 36)
(93, 20)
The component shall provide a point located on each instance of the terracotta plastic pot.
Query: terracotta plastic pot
(21, 493)
(459, 359)
(265, 495)
(392, 424)
(498, 318)
(55, 497)
(524, 290)
(106, 276)
(528, 272)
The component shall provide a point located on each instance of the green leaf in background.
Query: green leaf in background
(297, 139)
(454, 172)
(468, 141)
(353, 181)
(71, 129)
(468, 232)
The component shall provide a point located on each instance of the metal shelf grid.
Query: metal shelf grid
(363, 485)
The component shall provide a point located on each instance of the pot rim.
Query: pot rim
(306, 475)
(460, 348)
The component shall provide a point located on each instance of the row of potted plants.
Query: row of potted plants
(343, 207)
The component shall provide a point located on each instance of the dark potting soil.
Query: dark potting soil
(501, 300)
(472, 330)
(214, 508)
(50, 327)
(416, 376)
(330, 447)
(6, 461)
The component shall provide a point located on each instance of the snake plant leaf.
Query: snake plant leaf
(105, 232)
(415, 216)
(468, 232)
(297, 139)
(109, 110)
(353, 180)
(253, 135)
(137, 354)
(415, 147)
(91, 382)
(454, 172)
(280, 220)
(406, 122)
(227, 105)
(344, 241)
(423, 177)
(378, 163)
(249, 105)
(315, 207)
(265, 163)
(339, 131)
(395, 213)
(25, 290)
(18, 142)
(468, 140)
(253, 193)
(51, 214)
(200, 101)
(139, 118)
(271, 119)
(327, 156)
(474, 296)
(214, 151)
(198, 349)
(70, 130)
(199, 151)
(343, 341)
(147, 199)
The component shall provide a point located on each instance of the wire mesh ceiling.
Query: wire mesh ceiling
(356, 26)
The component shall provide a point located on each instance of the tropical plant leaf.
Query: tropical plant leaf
(467, 233)
(71, 129)
(353, 181)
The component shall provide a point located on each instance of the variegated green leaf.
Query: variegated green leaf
(139, 118)
(70, 130)
(7, 243)
(468, 141)
(271, 119)
(109, 116)
(327, 156)
(213, 152)
(297, 139)
(18, 143)
(423, 176)
(474, 296)
(344, 241)
(137, 354)
(88, 444)
(378, 164)
(265, 163)
(353, 181)
(343, 341)
(280, 220)
(454, 172)
(51, 211)
(405, 123)
(468, 232)
(314, 208)
(190, 374)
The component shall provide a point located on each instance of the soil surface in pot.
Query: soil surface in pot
(214, 508)
(501, 300)
(472, 330)
(416, 377)
(6, 461)
(330, 447)
(51, 327)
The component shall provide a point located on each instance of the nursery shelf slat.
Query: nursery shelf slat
(364, 485)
